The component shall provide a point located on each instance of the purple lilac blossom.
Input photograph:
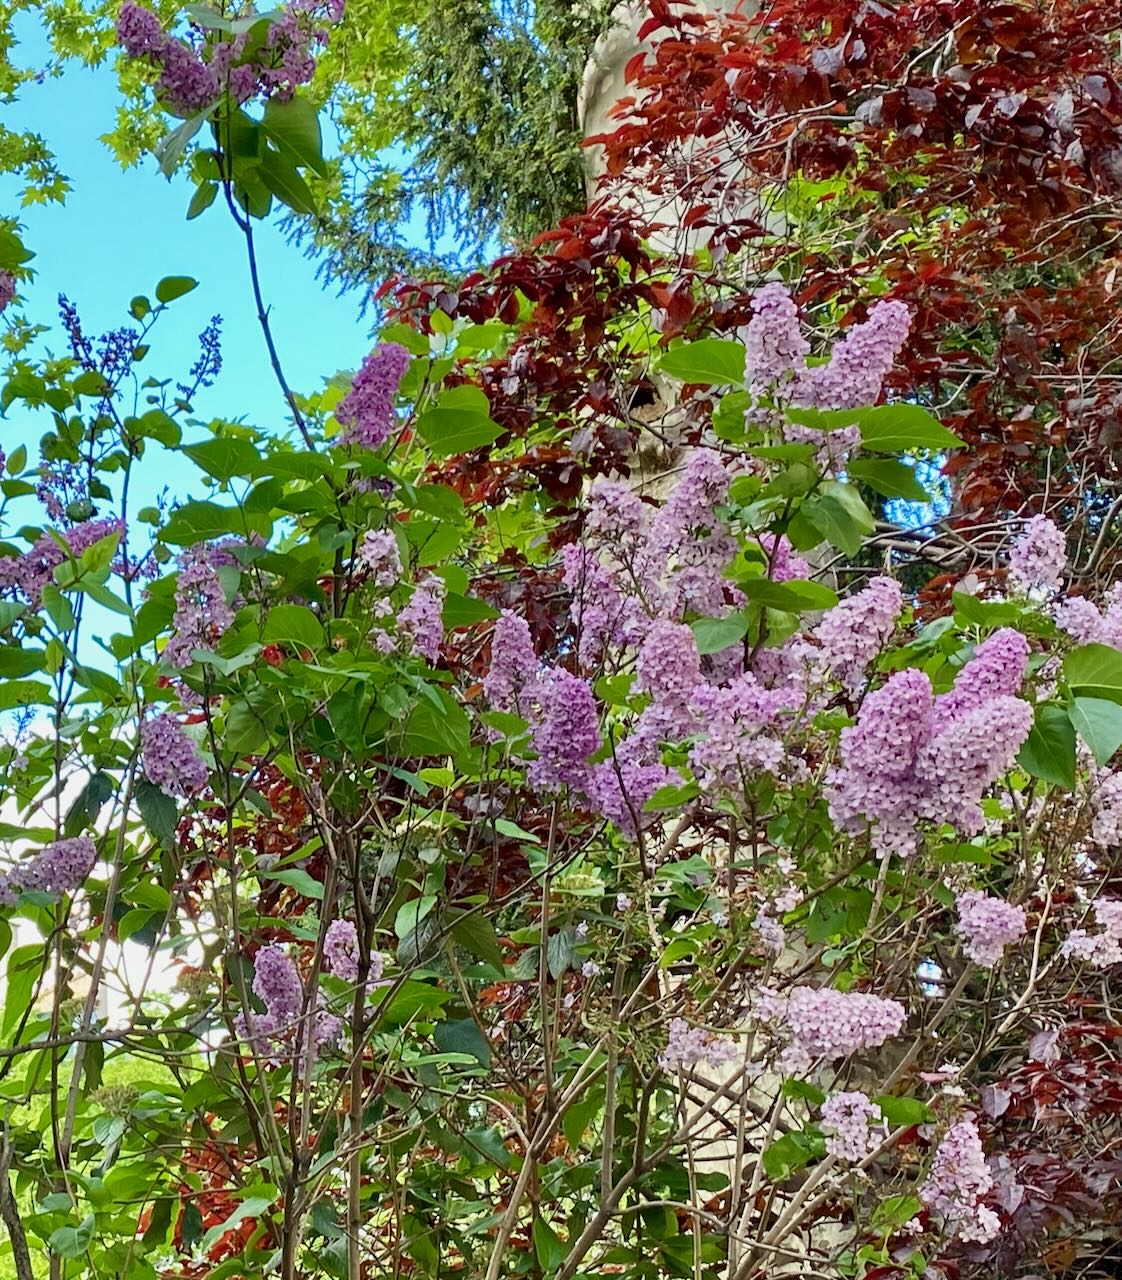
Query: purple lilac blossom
(566, 730)
(599, 610)
(379, 553)
(853, 377)
(1106, 826)
(958, 1181)
(687, 1046)
(997, 669)
(7, 289)
(876, 784)
(900, 765)
(848, 1120)
(57, 869)
(668, 666)
(854, 632)
(277, 984)
(619, 788)
(201, 612)
(688, 546)
(340, 949)
(1103, 949)
(783, 564)
(366, 411)
(987, 926)
(617, 517)
(1080, 618)
(139, 31)
(1038, 560)
(29, 573)
(828, 1024)
(861, 361)
(775, 349)
(514, 664)
(421, 618)
(958, 765)
(171, 759)
(187, 82)
(733, 741)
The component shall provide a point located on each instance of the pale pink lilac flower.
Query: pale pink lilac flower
(1086, 624)
(830, 1024)
(1038, 560)
(855, 631)
(687, 1046)
(987, 926)
(1103, 949)
(421, 620)
(848, 1121)
(958, 1182)
(378, 552)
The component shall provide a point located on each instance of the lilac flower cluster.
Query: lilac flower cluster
(958, 1181)
(908, 758)
(852, 633)
(735, 728)
(775, 361)
(566, 731)
(341, 950)
(1100, 950)
(772, 934)
(822, 1023)
(996, 670)
(171, 759)
(421, 618)
(620, 788)
(634, 567)
(775, 349)
(783, 564)
(28, 574)
(1106, 826)
(686, 1046)
(282, 1032)
(987, 926)
(1085, 623)
(378, 552)
(668, 666)
(600, 612)
(366, 411)
(860, 362)
(202, 615)
(688, 546)
(193, 75)
(57, 869)
(62, 486)
(1038, 560)
(514, 665)
(7, 289)
(848, 1120)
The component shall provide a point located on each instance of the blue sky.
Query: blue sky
(120, 231)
